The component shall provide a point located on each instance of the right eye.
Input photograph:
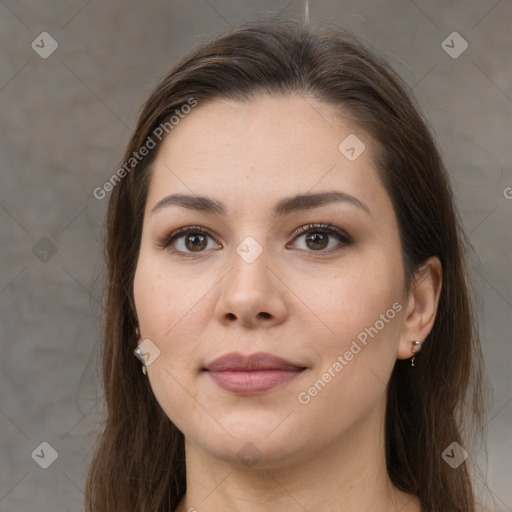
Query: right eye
(187, 240)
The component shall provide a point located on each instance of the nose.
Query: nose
(252, 295)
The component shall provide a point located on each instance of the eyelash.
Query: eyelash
(165, 241)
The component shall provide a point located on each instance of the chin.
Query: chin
(255, 440)
(253, 455)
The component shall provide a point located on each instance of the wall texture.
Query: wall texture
(73, 75)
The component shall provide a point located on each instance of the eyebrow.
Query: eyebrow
(282, 208)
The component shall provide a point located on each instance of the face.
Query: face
(286, 260)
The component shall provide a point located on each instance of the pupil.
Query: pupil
(197, 242)
(318, 239)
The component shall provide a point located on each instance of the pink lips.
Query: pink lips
(251, 374)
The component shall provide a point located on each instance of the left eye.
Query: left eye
(318, 237)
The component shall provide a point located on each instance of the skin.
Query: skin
(291, 301)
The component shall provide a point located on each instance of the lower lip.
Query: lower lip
(252, 382)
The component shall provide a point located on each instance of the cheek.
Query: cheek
(172, 309)
(163, 310)
(163, 297)
(362, 309)
(149, 296)
(354, 296)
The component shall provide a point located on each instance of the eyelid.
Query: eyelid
(328, 228)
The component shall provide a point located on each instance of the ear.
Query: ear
(421, 306)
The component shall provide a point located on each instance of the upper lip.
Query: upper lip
(235, 361)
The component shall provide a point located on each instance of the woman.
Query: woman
(282, 242)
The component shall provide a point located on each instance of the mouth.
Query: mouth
(251, 374)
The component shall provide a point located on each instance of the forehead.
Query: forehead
(260, 149)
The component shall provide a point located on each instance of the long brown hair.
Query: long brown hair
(139, 462)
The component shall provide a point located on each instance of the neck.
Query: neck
(350, 475)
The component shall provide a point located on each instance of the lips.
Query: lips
(235, 361)
(253, 373)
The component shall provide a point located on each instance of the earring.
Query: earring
(416, 347)
(139, 352)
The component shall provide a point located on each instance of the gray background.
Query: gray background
(64, 123)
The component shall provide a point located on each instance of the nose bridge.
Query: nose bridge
(251, 291)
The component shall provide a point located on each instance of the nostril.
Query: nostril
(265, 315)
(231, 316)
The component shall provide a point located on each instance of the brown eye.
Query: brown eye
(321, 238)
(195, 242)
(188, 240)
(317, 240)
